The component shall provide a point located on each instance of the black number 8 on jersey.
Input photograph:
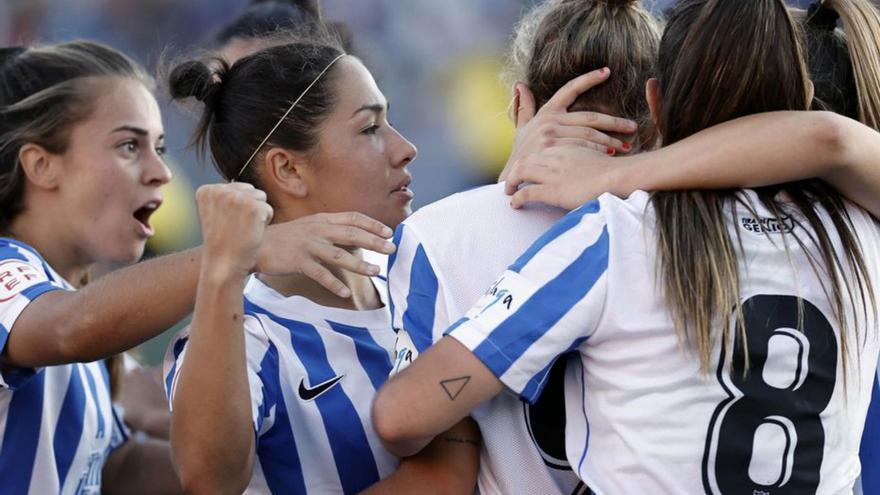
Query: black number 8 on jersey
(767, 437)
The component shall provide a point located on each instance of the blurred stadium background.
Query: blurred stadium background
(438, 62)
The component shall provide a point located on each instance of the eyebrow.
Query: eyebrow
(374, 107)
(135, 130)
(128, 128)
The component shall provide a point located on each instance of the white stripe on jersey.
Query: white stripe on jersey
(313, 373)
(57, 424)
(641, 417)
(447, 254)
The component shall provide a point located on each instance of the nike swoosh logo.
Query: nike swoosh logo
(312, 393)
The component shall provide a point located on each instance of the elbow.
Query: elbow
(395, 426)
(198, 481)
(71, 339)
(205, 470)
(831, 131)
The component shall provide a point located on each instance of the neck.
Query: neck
(363, 293)
(43, 235)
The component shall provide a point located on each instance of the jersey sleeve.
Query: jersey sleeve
(547, 303)
(260, 366)
(23, 278)
(418, 309)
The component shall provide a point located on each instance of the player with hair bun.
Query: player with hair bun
(81, 172)
(288, 373)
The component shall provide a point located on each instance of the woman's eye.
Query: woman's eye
(161, 150)
(129, 147)
(372, 129)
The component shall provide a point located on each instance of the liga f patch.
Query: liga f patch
(16, 276)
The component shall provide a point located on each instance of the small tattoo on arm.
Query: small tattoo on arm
(454, 386)
(469, 441)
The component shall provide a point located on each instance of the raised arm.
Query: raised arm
(212, 391)
(752, 151)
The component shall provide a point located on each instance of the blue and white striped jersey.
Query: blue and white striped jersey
(447, 254)
(313, 373)
(57, 423)
(642, 418)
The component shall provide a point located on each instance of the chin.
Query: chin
(126, 254)
(395, 218)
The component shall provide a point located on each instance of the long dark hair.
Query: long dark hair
(708, 74)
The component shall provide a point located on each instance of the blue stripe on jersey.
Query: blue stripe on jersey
(169, 379)
(9, 250)
(4, 336)
(586, 422)
(870, 448)
(398, 234)
(544, 309)
(70, 424)
(91, 379)
(567, 223)
(38, 290)
(421, 301)
(23, 421)
(348, 440)
(535, 386)
(374, 358)
(457, 324)
(276, 449)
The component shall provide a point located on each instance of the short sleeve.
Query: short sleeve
(262, 364)
(23, 278)
(546, 304)
(418, 308)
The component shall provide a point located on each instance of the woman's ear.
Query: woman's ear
(654, 95)
(41, 168)
(287, 171)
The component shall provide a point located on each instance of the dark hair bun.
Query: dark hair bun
(194, 79)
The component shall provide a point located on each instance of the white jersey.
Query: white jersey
(641, 416)
(57, 423)
(447, 254)
(313, 373)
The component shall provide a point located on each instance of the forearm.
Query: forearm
(752, 151)
(111, 315)
(760, 150)
(440, 388)
(140, 468)
(212, 394)
(448, 465)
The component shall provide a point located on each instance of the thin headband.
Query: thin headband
(292, 106)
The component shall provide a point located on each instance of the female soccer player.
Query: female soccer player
(741, 361)
(450, 251)
(289, 374)
(81, 172)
